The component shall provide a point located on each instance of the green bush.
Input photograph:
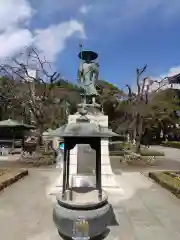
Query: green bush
(129, 147)
(143, 152)
(147, 152)
(125, 145)
(117, 153)
(167, 181)
(172, 144)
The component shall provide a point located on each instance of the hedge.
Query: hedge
(12, 178)
(147, 152)
(172, 144)
(116, 153)
(167, 181)
(144, 152)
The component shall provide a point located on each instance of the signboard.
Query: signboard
(81, 229)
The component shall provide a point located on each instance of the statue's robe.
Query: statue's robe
(88, 75)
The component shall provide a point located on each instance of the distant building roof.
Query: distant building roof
(175, 79)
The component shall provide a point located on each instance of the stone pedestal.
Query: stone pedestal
(98, 118)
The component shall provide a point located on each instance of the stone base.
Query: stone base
(97, 216)
(90, 106)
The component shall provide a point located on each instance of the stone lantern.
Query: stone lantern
(82, 209)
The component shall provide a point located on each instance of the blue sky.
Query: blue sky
(126, 33)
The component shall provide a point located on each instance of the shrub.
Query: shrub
(125, 145)
(39, 158)
(116, 153)
(147, 152)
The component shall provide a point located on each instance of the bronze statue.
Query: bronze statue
(88, 74)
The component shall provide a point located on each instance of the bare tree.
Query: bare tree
(32, 92)
(138, 105)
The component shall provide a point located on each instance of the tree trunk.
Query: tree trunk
(139, 134)
(40, 137)
(138, 146)
(1, 113)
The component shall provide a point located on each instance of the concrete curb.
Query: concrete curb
(9, 181)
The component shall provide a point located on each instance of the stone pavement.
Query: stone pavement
(170, 153)
(161, 164)
(143, 209)
(10, 157)
(25, 210)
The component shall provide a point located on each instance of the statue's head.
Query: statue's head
(88, 56)
(88, 60)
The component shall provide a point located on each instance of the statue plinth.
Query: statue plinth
(94, 108)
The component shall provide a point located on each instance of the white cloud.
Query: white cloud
(14, 12)
(12, 42)
(174, 70)
(84, 9)
(52, 40)
(15, 35)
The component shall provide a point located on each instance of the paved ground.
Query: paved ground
(25, 210)
(161, 164)
(143, 210)
(170, 153)
(10, 157)
(170, 162)
(146, 211)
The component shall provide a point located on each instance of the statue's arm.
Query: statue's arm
(96, 72)
(80, 74)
